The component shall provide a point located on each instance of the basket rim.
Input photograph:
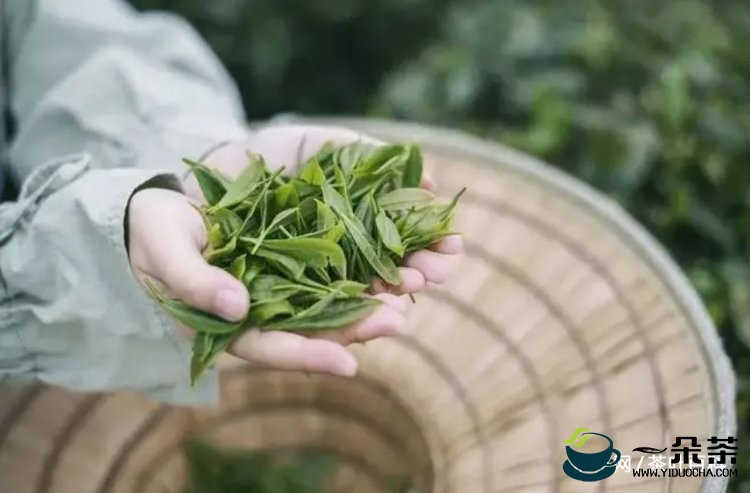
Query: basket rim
(723, 388)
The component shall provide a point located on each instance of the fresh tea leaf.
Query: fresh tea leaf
(209, 181)
(289, 266)
(192, 317)
(286, 196)
(412, 176)
(340, 313)
(376, 159)
(315, 252)
(215, 236)
(312, 173)
(325, 218)
(213, 255)
(277, 221)
(335, 233)
(212, 345)
(264, 311)
(246, 182)
(253, 269)
(389, 233)
(365, 212)
(238, 266)
(350, 288)
(405, 198)
(227, 219)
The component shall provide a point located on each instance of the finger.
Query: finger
(290, 145)
(398, 303)
(204, 286)
(435, 267)
(450, 245)
(412, 281)
(288, 351)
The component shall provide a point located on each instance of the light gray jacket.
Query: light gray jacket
(97, 99)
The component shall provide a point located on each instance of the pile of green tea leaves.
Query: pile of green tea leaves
(212, 470)
(307, 245)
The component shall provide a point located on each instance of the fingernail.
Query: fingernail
(230, 304)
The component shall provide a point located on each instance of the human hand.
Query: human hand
(167, 237)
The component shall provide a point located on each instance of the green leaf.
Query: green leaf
(259, 199)
(286, 196)
(307, 214)
(314, 252)
(335, 233)
(250, 178)
(389, 233)
(260, 313)
(215, 237)
(405, 198)
(238, 266)
(206, 349)
(376, 159)
(365, 212)
(383, 266)
(412, 177)
(289, 266)
(214, 255)
(393, 166)
(325, 218)
(312, 173)
(350, 288)
(254, 267)
(346, 157)
(192, 317)
(277, 221)
(209, 181)
(448, 211)
(341, 183)
(340, 313)
(320, 305)
(268, 287)
(229, 221)
(304, 190)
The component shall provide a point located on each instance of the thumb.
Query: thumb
(204, 286)
(172, 237)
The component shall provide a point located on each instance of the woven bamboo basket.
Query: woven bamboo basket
(563, 313)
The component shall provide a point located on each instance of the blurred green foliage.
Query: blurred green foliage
(213, 470)
(221, 470)
(649, 101)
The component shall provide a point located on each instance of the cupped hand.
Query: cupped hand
(167, 237)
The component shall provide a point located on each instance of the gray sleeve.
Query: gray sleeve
(105, 99)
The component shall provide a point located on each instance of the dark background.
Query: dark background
(649, 101)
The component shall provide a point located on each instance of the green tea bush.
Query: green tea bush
(649, 101)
